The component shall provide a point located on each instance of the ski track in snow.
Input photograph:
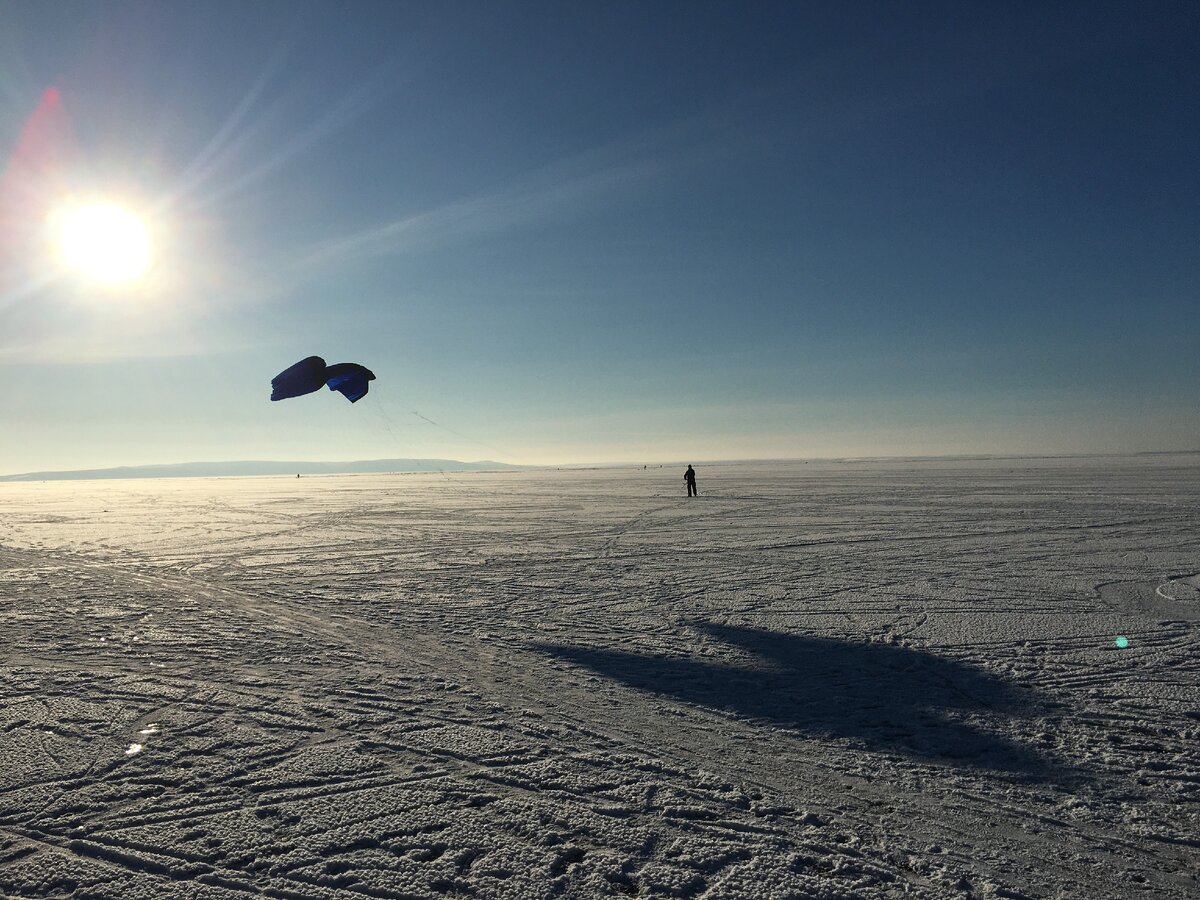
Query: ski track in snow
(830, 680)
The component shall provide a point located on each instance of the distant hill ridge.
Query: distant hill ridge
(268, 467)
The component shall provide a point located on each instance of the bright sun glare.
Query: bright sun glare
(103, 241)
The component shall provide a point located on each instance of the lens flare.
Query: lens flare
(103, 241)
(1122, 642)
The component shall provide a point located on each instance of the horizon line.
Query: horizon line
(80, 474)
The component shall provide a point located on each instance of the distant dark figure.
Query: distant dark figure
(690, 477)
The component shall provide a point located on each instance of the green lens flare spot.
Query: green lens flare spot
(1122, 642)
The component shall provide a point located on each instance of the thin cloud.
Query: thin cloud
(545, 197)
(227, 140)
(562, 189)
(355, 104)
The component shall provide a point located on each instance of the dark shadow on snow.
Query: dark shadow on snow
(886, 698)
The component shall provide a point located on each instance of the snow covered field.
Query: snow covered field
(813, 680)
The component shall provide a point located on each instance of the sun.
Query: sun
(103, 241)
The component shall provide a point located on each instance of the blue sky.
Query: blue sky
(572, 232)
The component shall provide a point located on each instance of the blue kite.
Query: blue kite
(311, 374)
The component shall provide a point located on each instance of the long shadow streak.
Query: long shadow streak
(883, 697)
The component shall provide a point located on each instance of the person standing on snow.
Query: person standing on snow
(690, 477)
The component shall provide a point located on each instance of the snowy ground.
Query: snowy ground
(824, 680)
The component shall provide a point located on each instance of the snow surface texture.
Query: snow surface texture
(825, 680)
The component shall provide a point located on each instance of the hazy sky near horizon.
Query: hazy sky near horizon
(570, 232)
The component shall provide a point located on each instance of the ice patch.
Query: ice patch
(1175, 598)
(1180, 589)
(134, 750)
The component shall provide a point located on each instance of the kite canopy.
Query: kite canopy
(349, 378)
(311, 374)
(304, 377)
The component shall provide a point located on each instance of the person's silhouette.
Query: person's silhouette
(690, 477)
